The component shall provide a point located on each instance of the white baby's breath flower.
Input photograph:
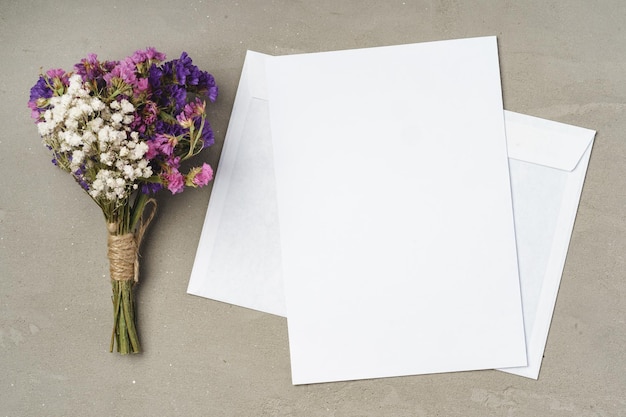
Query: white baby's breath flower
(127, 106)
(117, 137)
(115, 105)
(96, 124)
(78, 156)
(76, 83)
(83, 93)
(129, 172)
(97, 104)
(146, 172)
(117, 118)
(88, 137)
(75, 113)
(140, 150)
(71, 124)
(106, 158)
(58, 113)
(73, 139)
(77, 159)
(84, 107)
(44, 128)
(104, 135)
(64, 101)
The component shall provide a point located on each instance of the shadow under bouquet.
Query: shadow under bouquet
(122, 130)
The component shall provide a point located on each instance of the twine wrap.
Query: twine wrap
(123, 255)
(123, 250)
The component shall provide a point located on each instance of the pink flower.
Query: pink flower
(191, 111)
(167, 148)
(203, 177)
(147, 54)
(175, 181)
(153, 149)
(141, 87)
(56, 73)
(125, 71)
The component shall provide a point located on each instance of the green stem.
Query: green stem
(129, 316)
(116, 313)
(124, 329)
(137, 211)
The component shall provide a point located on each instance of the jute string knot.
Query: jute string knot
(123, 250)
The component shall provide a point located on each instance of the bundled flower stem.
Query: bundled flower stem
(123, 253)
(122, 130)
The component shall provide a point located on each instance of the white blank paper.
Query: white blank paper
(394, 204)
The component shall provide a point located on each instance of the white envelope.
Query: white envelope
(548, 163)
(238, 258)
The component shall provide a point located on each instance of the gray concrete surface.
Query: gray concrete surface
(561, 60)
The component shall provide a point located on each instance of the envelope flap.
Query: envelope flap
(544, 142)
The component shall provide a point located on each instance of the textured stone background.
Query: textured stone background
(561, 60)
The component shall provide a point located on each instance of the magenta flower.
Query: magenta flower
(162, 145)
(58, 73)
(141, 86)
(175, 181)
(149, 54)
(125, 70)
(203, 177)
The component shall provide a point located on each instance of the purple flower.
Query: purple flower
(161, 145)
(155, 74)
(145, 118)
(207, 86)
(80, 178)
(178, 97)
(151, 187)
(39, 94)
(180, 69)
(41, 89)
(208, 138)
(164, 127)
(91, 69)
